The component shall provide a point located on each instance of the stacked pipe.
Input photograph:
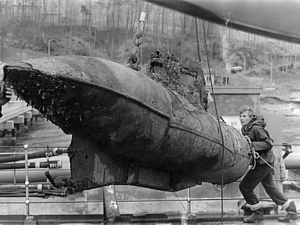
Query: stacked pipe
(43, 188)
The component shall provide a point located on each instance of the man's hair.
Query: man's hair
(247, 109)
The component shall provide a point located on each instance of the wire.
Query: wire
(257, 156)
(181, 203)
(219, 124)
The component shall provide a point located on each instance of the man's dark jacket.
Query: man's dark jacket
(260, 140)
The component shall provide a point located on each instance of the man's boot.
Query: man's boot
(291, 210)
(256, 216)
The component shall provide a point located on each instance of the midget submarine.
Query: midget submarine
(126, 128)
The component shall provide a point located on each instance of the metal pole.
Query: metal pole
(189, 201)
(15, 179)
(271, 70)
(49, 43)
(26, 180)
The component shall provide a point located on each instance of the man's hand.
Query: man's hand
(2, 70)
(6, 96)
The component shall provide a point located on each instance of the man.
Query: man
(260, 142)
(279, 174)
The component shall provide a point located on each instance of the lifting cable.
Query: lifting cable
(257, 156)
(219, 124)
(217, 114)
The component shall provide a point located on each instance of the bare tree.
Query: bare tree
(66, 16)
(100, 6)
(162, 23)
(3, 29)
(136, 7)
(174, 22)
(184, 19)
(156, 19)
(107, 16)
(118, 3)
(85, 13)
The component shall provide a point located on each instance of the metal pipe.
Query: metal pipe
(292, 161)
(39, 186)
(48, 164)
(36, 174)
(33, 155)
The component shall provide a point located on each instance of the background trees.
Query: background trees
(105, 28)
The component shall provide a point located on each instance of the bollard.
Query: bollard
(35, 114)
(10, 128)
(2, 129)
(27, 118)
(19, 121)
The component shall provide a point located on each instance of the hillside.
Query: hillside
(281, 87)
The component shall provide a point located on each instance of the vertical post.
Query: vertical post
(29, 220)
(49, 45)
(23, 9)
(189, 201)
(271, 69)
(48, 168)
(26, 180)
(2, 48)
(141, 55)
(15, 179)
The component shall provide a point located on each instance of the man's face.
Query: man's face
(244, 118)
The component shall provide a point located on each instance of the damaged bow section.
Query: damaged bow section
(127, 128)
(52, 96)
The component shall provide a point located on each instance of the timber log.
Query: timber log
(127, 128)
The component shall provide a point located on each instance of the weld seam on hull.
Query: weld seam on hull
(202, 135)
(122, 95)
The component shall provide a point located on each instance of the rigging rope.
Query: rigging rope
(257, 156)
(219, 124)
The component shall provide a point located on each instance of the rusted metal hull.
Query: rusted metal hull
(126, 128)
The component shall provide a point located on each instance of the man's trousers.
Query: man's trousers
(261, 173)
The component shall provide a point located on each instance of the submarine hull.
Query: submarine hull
(127, 128)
